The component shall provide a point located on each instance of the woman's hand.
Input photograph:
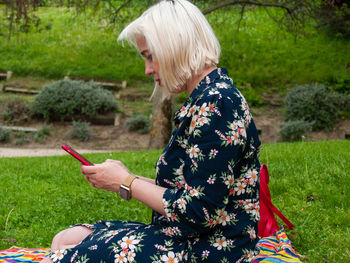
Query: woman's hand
(107, 176)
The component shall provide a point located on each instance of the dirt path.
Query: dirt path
(20, 152)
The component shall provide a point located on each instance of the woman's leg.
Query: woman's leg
(70, 237)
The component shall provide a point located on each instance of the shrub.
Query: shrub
(342, 85)
(313, 103)
(42, 133)
(80, 131)
(73, 99)
(21, 138)
(5, 135)
(295, 130)
(16, 111)
(138, 123)
(345, 106)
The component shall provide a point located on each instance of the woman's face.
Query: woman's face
(151, 63)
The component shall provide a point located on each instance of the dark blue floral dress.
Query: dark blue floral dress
(211, 170)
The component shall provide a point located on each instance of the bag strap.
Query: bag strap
(266, 195)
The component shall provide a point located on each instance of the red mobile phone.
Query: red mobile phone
(76, 155)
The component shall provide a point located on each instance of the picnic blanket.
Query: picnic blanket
(276, 248)
(17, 254)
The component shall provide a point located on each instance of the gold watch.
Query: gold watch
(125, 189)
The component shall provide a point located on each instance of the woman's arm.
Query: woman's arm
(148, 194)
(111, 174)
(146, 179)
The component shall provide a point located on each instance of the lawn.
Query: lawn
(309, 182)
(260, 54)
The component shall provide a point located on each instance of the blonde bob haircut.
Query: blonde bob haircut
(179, 37)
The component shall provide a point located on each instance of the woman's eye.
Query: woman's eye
(149, 57)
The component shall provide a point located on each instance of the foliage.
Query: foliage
(334, 17)
(138, 123)
(258, 52)
(21, 138)
(294, 12)
(313, 103)
(73, 99)
(80, 131)
(296, 130)
(42, 133)
(309, 183)
(342, 85)
(19, 17)
(16, 111)
(251, 95)
(5, 135)
(181, 98)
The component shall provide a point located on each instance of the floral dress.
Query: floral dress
(211, 171)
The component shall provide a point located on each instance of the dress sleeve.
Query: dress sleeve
(214, 140)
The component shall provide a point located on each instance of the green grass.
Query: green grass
(260, 53)
(44, 195)
(309, 182)
(264, 55)
(73, 45)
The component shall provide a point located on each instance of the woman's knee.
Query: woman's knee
(70, 237)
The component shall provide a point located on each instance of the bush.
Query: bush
(73, 99)
(21, 138)
(42, 133)
(5, 135)
(315, 104)
(295, 130)
(138, 123)
(343, 85)
(16, 111)
(80, 131)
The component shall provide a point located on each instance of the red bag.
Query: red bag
(268, 223)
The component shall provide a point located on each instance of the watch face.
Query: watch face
(124, 192)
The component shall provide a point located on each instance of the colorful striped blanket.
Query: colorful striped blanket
(276, 248)
(16, 254)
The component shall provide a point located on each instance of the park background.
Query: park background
(266, 59)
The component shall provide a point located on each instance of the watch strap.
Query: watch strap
(128, 181)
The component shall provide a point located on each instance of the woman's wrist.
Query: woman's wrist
(125, 187)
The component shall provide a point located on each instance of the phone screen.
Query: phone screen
(76, 155)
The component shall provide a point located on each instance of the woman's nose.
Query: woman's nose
(149, 68)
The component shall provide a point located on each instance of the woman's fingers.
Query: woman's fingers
(90, 169)
(107, 176)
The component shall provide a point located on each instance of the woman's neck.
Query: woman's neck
(193, 82)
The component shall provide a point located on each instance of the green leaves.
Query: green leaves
(73, 99)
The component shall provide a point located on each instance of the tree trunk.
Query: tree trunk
(162, 116)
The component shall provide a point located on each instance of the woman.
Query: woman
(205, 199)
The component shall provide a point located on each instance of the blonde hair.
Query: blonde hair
(179, 36)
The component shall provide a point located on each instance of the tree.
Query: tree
(19, 15)
(162, 115)
(334, 17)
